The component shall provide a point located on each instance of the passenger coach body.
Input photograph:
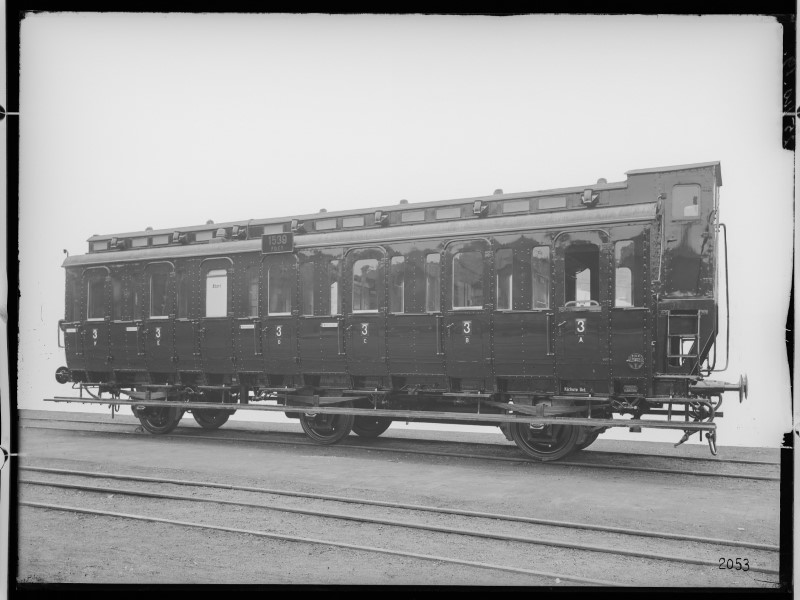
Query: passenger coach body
(603, 295)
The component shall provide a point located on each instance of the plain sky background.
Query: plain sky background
(136, 120)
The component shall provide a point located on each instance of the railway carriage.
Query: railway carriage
(553, 314)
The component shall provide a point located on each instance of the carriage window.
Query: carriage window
(503, 266)
(432, 280)
(333, 285)
(686, 201)
(582, 274)
(158, 295)
(137, 305)
(540, 276)
(183, 295)
(217, 293)
(468, 280)
(279, 289)
(397, 284)
(623, 273)
(307, 287)
(73, 308)
(95, 298)
(365, 285)
(251, 276)
(116, 298)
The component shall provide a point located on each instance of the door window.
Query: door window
(159, 306)
(279, 288)
(365, 285)
(582, 274)
(468, 280)
(217, 293)
(96, 295)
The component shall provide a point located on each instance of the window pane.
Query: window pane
(685, 201)
(307, 287)
(397, 274)
(158, 294)
(432, 279)
(624, 261)
(582, 273)
(503, 266)
(365, 284)
(468, 280)
(183, 295)
(217, 293)
(279, 288)
(116, 298)
(333, 285)
(137, 305)
(540, 276)
(252, 291)
(73, 307)
(96, 302)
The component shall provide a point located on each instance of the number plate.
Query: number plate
(274, 243)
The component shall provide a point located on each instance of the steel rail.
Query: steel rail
(395, 523)
(521, 459)
(409, 415)
(231, 427)
(294, 538)
(414, 507)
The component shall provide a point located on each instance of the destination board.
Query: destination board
(273, 243)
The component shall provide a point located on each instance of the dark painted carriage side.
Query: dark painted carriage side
(604, 291)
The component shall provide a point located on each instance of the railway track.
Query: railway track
(499, 452)
(513, 542)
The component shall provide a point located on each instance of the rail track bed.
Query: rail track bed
(763, 467)
(103, 507)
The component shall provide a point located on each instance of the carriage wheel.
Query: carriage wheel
(326, 428)
(370, 427)
(211, 418)
(586, 438)
(159, 420)
(548, 443)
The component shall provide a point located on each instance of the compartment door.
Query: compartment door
(216, 324)
(581, 290)
(468, 309)
(279, 331)
(365, 312)
(97, 310)
(159, 323)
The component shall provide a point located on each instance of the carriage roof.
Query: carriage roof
(546, 209)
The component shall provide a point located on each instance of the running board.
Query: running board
(410, 415)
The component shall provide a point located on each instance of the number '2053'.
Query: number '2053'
(736, 564)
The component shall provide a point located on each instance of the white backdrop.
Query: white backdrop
(136, 120)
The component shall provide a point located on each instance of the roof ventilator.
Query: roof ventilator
(479, 209)
(589, 198)
(381, 218)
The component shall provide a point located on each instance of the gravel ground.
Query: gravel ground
(65, 547)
